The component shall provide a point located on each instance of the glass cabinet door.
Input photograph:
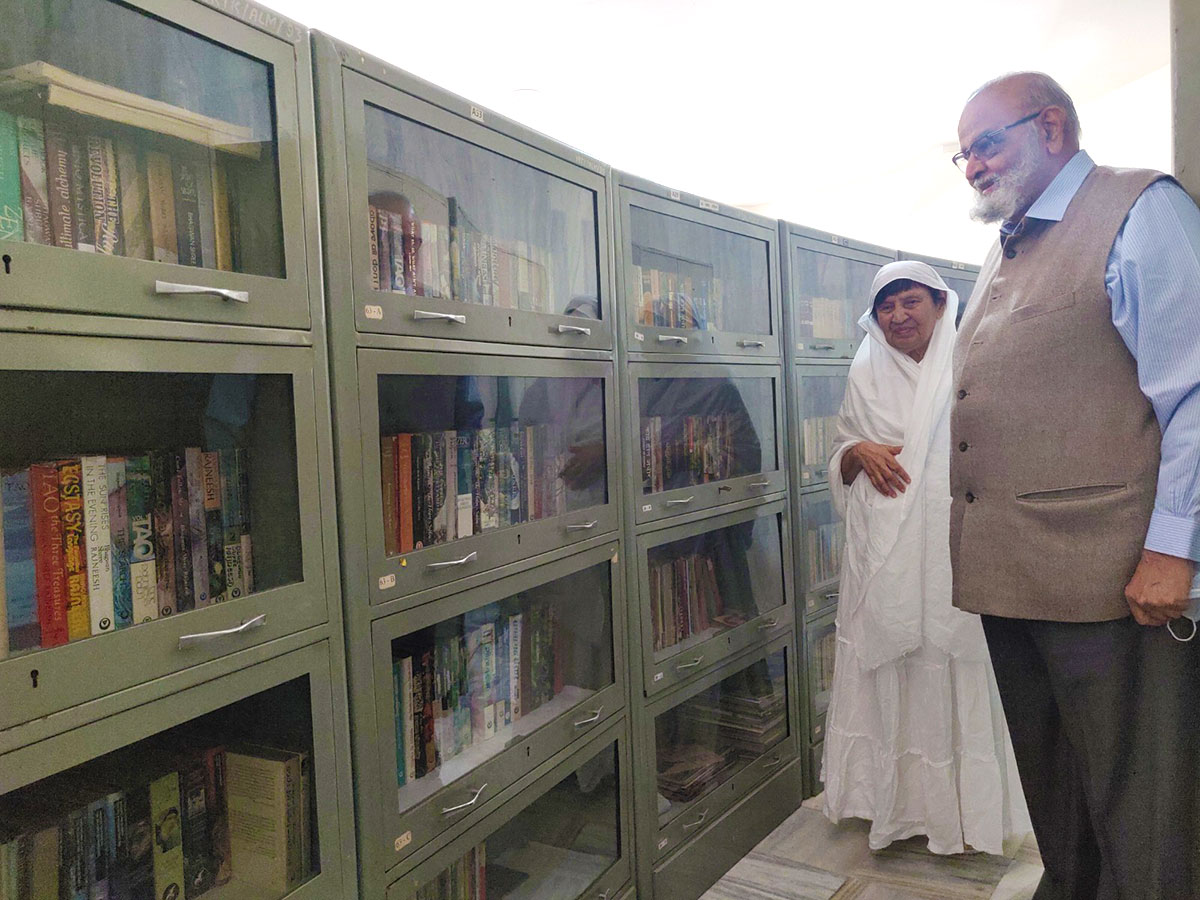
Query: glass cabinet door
(165, 161)
(710, 589)
(459, 231)
(719, 734)
(705, 440)
(822, 540)
(482, 695)
(821, 640)
(693, 271)
(159, 503)
(819, 397)
(515, 462)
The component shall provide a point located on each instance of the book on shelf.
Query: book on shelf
(12, 215)
(120, 548)
(35, 201)
(50, 570)
(266, 802)
(142, 576)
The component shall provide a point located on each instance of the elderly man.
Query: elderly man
(1075, 475)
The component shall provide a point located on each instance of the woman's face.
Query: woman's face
(908, 318)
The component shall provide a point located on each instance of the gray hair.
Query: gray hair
(1042, 91)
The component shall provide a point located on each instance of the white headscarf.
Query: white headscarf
(896, 568)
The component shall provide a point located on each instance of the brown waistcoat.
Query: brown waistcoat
(1054, 449)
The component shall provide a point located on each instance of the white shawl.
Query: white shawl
(895, 587)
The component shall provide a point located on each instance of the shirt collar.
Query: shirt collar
(1052, 205)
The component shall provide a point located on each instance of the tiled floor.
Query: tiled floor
(809, 858)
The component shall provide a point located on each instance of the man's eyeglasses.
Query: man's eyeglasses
(989, 143)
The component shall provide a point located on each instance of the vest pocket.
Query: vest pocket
(1064, 300)
(1081, 492)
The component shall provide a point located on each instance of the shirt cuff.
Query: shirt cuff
(1174, 535)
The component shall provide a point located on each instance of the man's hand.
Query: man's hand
(879, 462)
(1158, 590)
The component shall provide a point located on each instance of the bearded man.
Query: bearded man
(1075, 476)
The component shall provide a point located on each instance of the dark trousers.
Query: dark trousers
(1105, 723)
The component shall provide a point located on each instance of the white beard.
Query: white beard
(1008, 190)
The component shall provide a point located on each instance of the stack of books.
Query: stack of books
(465, 879)
(685, 450)
(685, 600)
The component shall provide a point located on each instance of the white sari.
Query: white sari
(915, 738)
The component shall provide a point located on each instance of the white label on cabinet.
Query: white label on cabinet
(674, 195)
(647, 507)
(387, 581)
(476, 113)
(638, 336)
(373, 312)
(403, 841)
(663, 843)
(708, 204)
(658, 676)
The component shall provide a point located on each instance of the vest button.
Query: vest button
(970, 497)
(1011, 252)
(962, 445)
(961, 394)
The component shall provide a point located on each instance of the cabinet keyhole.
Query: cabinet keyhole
(33, 676)
(7, 260)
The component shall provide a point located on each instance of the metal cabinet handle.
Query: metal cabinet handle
(751, 344)
(760, 484)
(772, 763)
(699, 821)
(169, 287)
(691, 665)
(823, 346)
(833, 595)
(672, 339)
(822, 470)
(470, 802)
(190, 640)
(574, 329)
(583, 526)
(420, 314)
(594, 717)
(681, 502)
(454, 562)
(769, 624)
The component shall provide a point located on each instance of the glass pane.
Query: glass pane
(119, 510)
(700, 277)
(465, 688)
(962, 287)
(824, 536)
(697, 430)
(824, 650)
(703, 585)
(820, 400)
(452, 220)
(226, 802)
(551, 850)
(709, 738)
(460, 455)
(831, 294)
(122, 134)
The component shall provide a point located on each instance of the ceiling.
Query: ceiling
(839, 116)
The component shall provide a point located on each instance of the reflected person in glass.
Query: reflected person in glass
(915, 739)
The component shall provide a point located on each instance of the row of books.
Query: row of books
(685, 599)
(444, 485)
(687, 450)
(673, 300)
(460, 683)
(823, 551)
(464, 879)
(93, 544)
(201, 820)
(825, 653)
(820, 317)
(65, 185)
(819, 432)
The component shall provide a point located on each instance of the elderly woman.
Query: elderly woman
(915, 741)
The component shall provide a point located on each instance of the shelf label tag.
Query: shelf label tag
(638, 336)
(709, 205)
(387, 581)
(476, 113)
(403, 841)
(674, 195)
(373, 312)
(646, 507)
(658, 676)
(663, 843)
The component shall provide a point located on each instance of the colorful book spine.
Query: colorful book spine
(31, 143)
(231, 522)
(383, 245)
(187, 213)
(135, 201)
(465, 478)
(194, 815)
(197, 525)
(143, 580)
(48, 554)
(244, 518)
(73, 856)
(161, 185)
(399, 713)
(396, 236)
(166, 821)
(161, 471)
(98, 841)
(133, 867)
(406, 687)
(20, 576)
(81, 196)
(12, 216)
(58, 183)
(214, 529)
(222, 233)
(373, 243)
(119, 542)
(106, 201)
(404, 491)
(388, 495)
(181, 530)
(97, 541)
(515, 627)
(70, 499)
(3, 587)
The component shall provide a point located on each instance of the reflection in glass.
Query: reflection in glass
(963, 287)
(708, 738)
(831, 294)
(551, 850)
(697, 430)
(821, 665)
(465, 688)
(118, 509)
(123, 135)
(698, 277)
(452, 220)
(824, 537)
(460, 455)
(706, 584)
(820, 400)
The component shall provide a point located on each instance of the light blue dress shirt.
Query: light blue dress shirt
(1153, 281)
